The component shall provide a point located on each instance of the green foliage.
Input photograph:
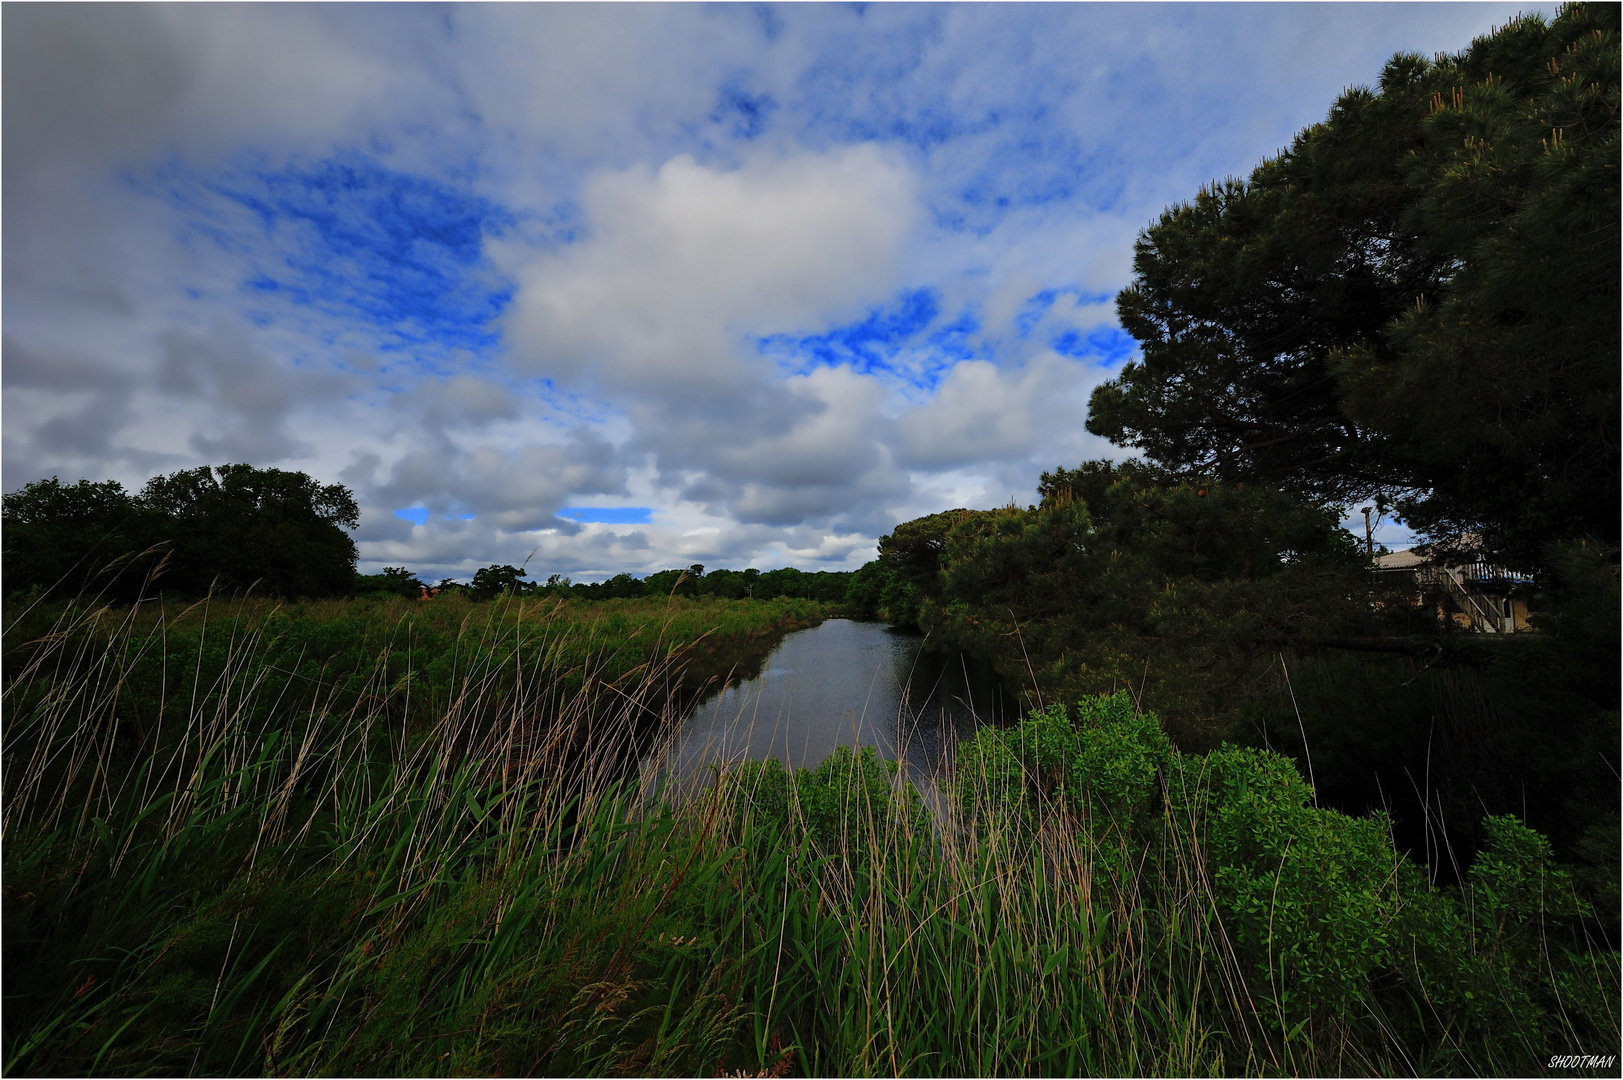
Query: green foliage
(450, 872)
(867, 586)
(1310, 896)
(694, 581)
(241, 525)
(899, 602)
(1322, 916)
(1501, 384)
(1514, 884)
(910, 558)
(1524, 725)
(1126, 576)
(823, 585)
(620, 586)
(61, 536)
(392, 581)
(673, 582)
(1419, 297)
(229, 527)
(1106, 763)
(490, 582)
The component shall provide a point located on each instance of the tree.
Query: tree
(728, 584)
(1417, 300)
(911, 558)
(673, 582)
(623, 586)
(393, 581)
(784, 581)
(227, 527)
(1502, 386)
(66, 536)
(1127, 576)
(490, 582)
(236, 525)
(865, 589)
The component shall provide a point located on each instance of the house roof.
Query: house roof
(1399, 560)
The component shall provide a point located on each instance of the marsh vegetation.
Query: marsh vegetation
(284, 863)
(1252, 815)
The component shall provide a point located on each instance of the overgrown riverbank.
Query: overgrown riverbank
(431, 867)
(407, 660)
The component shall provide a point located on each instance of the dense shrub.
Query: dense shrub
(1320, 911)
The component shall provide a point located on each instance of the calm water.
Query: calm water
(845, 683)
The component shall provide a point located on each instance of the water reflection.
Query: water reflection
(850, 683)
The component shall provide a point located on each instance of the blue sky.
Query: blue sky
(625, 287)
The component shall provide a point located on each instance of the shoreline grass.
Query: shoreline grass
(454, 876)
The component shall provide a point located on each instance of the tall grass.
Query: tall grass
(242, 871)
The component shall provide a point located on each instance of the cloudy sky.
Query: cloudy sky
(624, 287)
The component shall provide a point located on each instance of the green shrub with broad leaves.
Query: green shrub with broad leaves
(1323, 919)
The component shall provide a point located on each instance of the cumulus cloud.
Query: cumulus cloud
(516, 491)
(244, 396)
(62, 411)
(781, 275)
(682, 260)
(87, 82)
(983, 413)
(100, 84)
(656, 307)
(457, 402)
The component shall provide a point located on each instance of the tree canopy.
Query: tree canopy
(242, 525)
(1128, 575)
(228, 527)
(1417, 300)
(391, 581)
(492, 581)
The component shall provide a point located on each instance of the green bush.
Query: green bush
(1106, 764)
(1309, 896)
(1322, 917)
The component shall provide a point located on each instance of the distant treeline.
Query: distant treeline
(283, 534)
(493, 581)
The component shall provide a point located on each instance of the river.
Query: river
(850, 683)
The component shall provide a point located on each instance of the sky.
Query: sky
(615, 288)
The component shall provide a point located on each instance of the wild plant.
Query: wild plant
(229, 860)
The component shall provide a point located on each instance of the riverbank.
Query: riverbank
(160, 762)
(224, 861)
(409, 659)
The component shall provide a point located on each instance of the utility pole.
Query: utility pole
(1369, 532)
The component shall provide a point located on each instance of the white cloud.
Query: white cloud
(655, 308)
(682, 261)
(983, 413)
(670, 182)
